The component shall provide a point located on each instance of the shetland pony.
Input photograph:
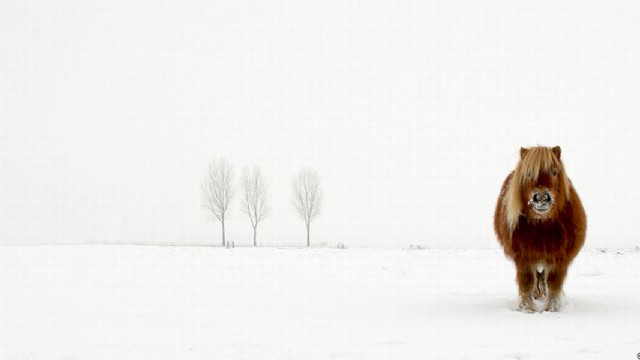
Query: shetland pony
(541, 225)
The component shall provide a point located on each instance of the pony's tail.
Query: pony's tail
(540, 289)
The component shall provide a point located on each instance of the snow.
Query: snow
(146, 302)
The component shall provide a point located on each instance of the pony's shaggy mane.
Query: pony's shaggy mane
(534, 161)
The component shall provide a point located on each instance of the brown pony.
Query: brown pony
(541, 225)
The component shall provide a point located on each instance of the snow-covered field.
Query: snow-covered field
(143, 302)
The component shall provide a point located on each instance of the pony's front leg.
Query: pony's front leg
(555, 281)
(525, 285)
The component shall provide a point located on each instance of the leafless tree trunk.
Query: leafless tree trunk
(307, 197)
(217, 190)
(254, 200)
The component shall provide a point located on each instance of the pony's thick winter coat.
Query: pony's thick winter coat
(542, 244)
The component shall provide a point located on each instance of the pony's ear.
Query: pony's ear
(556, 151)
(523, 152)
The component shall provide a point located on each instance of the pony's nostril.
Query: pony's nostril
(536, 197)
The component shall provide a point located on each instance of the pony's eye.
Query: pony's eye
(554, 172)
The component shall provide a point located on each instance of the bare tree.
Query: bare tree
(307, 197)
(254, 200)
(217, 190)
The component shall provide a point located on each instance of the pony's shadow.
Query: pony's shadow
(495, 307)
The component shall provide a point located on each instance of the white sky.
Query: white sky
(413, 113)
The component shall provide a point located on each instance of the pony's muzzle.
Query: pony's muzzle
(541, 201)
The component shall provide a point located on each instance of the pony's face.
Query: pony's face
(543, 197)
(539, 187)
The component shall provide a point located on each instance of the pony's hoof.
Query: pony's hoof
(554, 304)
(526, 307)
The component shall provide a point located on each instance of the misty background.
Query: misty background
(412, 112)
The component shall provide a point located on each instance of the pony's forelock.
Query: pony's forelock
(535, 161)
